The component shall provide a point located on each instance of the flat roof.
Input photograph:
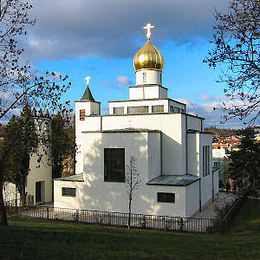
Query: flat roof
(76, 177)
(150, 99)
(126, 130)
(173, 180)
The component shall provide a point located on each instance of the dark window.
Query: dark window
(158, 109)
(114, 164)
(138, 110)
(166, 197)
(174, 109)
(82, 114)
(118, 110)
(68, 192)
(206, 160)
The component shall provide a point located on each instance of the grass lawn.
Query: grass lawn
(41, 239)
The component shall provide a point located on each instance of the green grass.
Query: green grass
(41, 239)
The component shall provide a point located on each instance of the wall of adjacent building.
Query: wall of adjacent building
(40, 172)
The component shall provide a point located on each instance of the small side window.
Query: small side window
(82, 114)
(166, 197)
(68, 192)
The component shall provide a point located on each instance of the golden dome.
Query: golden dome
(149, 57)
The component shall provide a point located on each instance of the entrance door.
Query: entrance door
(38, 191)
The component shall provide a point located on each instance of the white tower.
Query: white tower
(86, 106)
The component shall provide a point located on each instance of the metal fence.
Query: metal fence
(120, 219)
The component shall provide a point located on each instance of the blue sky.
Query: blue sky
(100, 39)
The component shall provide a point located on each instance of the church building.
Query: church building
(172, 150)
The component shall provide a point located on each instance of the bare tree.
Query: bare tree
(21, 85)
(132, 181)
(236, 41)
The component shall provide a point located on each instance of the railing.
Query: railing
(120, 219)
(13, 206)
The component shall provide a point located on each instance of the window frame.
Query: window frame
(161, 199)
(66, 194)
(155, 108)
(138, 110)
(111, 176)
(82, 114)
(121, 109)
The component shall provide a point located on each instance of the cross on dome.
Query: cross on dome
(148, 27)
(88, 78)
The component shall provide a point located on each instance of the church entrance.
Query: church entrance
(39, 191)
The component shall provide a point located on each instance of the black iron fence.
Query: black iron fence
(13, 206)
(120, 219)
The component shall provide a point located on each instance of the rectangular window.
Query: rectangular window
(206, 160)
(144, 77)
(174, 109)
(118, 110)
(166, 197)
(68, 192)
(82, 114)
(158, 109)
(138, 110)
(114, 164)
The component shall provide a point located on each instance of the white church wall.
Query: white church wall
(94, 193)
(154, 155)
(150, 77)
(206, 189)
(194, 123)
(193, 153)
(173, 135)
(192, 198)
(149, 103)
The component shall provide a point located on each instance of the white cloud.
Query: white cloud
(76, 28)
(213, 112)
(206, 97)
(122, 80)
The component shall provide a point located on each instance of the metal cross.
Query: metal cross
(88, 78)
(148, 27)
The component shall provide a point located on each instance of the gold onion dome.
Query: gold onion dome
(149, 57)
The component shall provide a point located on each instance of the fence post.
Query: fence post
(77, 215)
(181, 223)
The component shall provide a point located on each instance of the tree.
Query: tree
(21, 85)
(244, 164)
(132, 180)
(236, 41)
(19, 150)
(63, 145)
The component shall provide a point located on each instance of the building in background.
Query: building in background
(39, 179)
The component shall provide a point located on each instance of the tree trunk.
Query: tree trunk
(3, 216)
(129, 212)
